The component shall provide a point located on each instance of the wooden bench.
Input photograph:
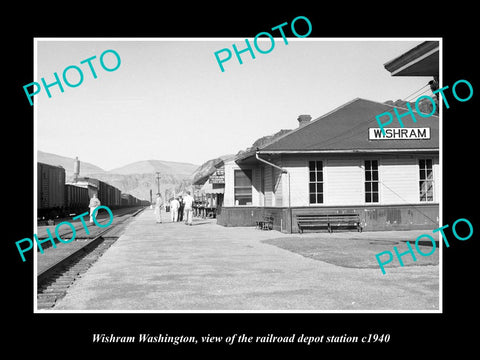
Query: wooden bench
(328, 221)
(266, 223)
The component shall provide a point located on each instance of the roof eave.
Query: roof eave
(409, 58)
(347, 151)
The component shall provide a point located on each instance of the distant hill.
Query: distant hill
(139, 185)
(139, 178)
(152, 166)
(136, 178)
(67, 163)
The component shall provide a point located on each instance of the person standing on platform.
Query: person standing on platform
(188, 201)
(94, 203)
(174, 205)
(204, 210)
(180, 209)
(158, 208)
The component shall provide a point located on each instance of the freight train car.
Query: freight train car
(127, 200)
(57, 199)
(107, 194)
(76, 199)
(50, 190)
(130, 200)
(117, 197)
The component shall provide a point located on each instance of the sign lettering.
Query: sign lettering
(399, 134)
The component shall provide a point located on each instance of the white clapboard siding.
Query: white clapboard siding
(277, 187)
(399, 181)
(228, 196)
(257, 196)
(437, 180)
(268, 186)
(298, 170)
(343, 182)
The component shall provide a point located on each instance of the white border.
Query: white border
(339, 39)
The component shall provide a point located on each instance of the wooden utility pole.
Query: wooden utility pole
(158, 181)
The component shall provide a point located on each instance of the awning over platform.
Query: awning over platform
(209, 188)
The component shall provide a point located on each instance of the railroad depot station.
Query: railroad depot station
(338, 164)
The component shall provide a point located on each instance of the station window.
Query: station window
(426, 179)
(316, 182)
(371, 181)
(243, 187)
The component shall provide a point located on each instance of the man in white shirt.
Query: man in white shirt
(174, 205)
(94, 203)
(188, 201)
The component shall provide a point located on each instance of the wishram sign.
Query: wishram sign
(399, 134)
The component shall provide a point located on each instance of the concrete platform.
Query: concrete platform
(171, 266)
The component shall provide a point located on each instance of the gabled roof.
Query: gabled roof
(346, 129)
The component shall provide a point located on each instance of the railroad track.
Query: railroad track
(61, 267)
(79, 229)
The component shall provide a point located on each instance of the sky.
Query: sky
(169, 100)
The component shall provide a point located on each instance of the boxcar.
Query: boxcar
(127, 200)
(117, 198)
(76, 198)
(50, 190)
(107, 194)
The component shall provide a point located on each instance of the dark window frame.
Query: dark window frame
(243, 193)
(316, 181)
(371, 187)
(426, 180)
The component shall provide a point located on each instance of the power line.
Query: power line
(406, 97)
(424, 92)
(406, 202)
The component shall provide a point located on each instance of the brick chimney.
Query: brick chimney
(303, 120)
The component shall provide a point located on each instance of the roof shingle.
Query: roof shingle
(346, 128)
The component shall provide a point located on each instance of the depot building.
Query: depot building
(340, 162)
